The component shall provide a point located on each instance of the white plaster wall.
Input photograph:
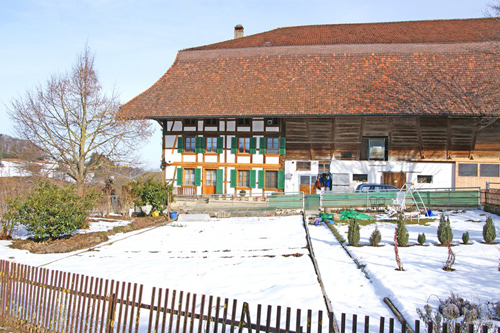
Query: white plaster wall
(190, 129)
(258, 159)
(211, 158)
(243, 159)
(243, 129)
(272, 129)
(211, 128)
(189, 158)
(222, 125)
(272, 160)
(258, 125)
(177, 126)
(200, 125)
(442, 173)
(231, 125)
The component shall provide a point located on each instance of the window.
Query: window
(211, 122)
(190, 122)
(211, 145)
(489, 170)
(244, 145)
(271, 121)
(374, 149)
(346, 155)
(271, 179)
(306, 180)
(190, 145)
(467, 170)
(304, 166)
(272, 145)
(422, 179)
(243, 178)
(360, 177)
(324, 167)
(211, 177)
(244, 121)
(189, 177)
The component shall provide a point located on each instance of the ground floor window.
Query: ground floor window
(360, 177)
(243, 178)
(422, 179)
(189, 176)
(467, 170)
(489, 170)
(271, 179)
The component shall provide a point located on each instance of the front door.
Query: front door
(306, 184)
(394, 178)
(210, 181)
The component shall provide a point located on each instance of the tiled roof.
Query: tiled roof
(435, 31)
(327, 80)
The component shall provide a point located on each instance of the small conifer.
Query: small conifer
(444, 232)
(353, 233)
(465, 237)
(421, 238)
(403, 235)
(375, 237)
(489, 232)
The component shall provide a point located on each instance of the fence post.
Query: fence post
(110, 320)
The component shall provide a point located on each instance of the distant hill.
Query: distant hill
(11, 147)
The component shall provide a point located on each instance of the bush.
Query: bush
(375, 237)
(403, 235)
(444, 232)
(421, 239)
(353, 233)
(152, 192)
(489, 232)
(465, 237)
(51, 211)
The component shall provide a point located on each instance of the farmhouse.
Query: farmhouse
(379, 103)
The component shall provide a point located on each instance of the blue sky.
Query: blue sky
(135, 42)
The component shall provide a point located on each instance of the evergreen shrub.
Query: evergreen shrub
(421, 238)
(375, 237)
(402, 232)
(444, 232)
(465, 237)
(489, 232)
(353, 233)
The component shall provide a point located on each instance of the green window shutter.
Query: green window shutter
(261, 179)
(253, 145)
(281, 179)
(220, 145)
(200, 145)
(252, 178)
(233, 178)
(234, 145)
(179, 176)
(282, 146)
(180, 144)
(220, 177)
(197, 177)
(262, 145)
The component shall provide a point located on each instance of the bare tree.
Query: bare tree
(70, 118)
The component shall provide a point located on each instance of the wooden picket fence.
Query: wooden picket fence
(36, 299)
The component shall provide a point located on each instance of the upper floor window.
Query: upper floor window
(243, 121)
(244, 145)
(271, 121)
(374, 149)
(211, 145)
(304, 166)
(273, 145)
(211, 122)
(190, 122)
(190, 144)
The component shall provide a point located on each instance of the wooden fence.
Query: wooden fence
(41, 300)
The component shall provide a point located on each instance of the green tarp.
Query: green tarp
(352, 214)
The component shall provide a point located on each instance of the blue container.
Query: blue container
(173, 215)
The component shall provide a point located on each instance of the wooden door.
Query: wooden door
(306, 184)
(210, 181)
(394, 178)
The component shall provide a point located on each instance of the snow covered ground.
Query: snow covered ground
(264, 260)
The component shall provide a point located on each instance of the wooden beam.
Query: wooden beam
(332, 146)
(448, 137)
(419, 133)
(361, 129)
(308, 131)
(472, 143)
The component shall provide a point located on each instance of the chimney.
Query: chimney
(238, 31)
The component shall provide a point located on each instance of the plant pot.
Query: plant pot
(173, 215)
